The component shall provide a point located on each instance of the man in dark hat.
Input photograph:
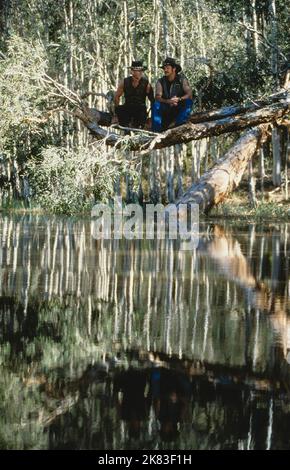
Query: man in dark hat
(173, 100)
(136, 88)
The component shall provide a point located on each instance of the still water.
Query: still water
(138, 344)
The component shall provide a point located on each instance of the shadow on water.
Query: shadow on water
(137, 344)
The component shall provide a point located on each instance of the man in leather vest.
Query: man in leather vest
(173, 100)
(136, 88)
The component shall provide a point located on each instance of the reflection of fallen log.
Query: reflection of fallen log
(227, 254)
(65, 406)
(217, 183)
(45, 418)
(66, 392)
(214, 372)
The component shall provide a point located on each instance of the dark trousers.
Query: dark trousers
(131, 115)
(163, 114)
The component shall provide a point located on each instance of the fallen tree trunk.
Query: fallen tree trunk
(105, 118)
(206, 124)
(187, 132)
(234, 110)
(217, 183)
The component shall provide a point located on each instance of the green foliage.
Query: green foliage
(265, 210)
(87, 45)
(70, 181)
(22, 92)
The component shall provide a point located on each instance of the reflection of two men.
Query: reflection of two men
(166, 390)
(172, 393)
(242, 392)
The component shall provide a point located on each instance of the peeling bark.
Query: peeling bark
(182, 134)
(233, 110)
(217, 183)
(190, 131)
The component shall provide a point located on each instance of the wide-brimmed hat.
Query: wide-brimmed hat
(172, 62)
(137, 65)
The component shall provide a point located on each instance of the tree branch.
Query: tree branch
(226, 174)
(266, 41)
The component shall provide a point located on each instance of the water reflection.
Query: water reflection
(123, 344)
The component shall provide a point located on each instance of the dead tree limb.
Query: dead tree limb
(265, 41)
(190, 131)
(211, 123)
(185, 133)
(217, 183)
(227, 111)
(105, 119)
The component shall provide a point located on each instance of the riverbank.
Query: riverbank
(270, 206)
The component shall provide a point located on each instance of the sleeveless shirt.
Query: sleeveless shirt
(170, 89)
(135, 96)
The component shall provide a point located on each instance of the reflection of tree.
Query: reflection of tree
(228, 256)
(69, 302)
(143, 292)
(144, 284)
(202, 407)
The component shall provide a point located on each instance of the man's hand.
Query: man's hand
(119, 93)
(174, 101)
(114, 120)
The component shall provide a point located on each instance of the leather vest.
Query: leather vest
(175, 88)
(135, 96)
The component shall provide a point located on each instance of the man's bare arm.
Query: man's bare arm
(119, 93)
(150, 93)
(158, 94)
(187, 90)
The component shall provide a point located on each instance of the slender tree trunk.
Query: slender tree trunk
(135, 29)
(194, 177)
(163, 9)
(170, 174)
(126, 35)
(274, 41)
(255, 27)
(262, 170)
(181, 38)
(178, 163)
(276, 147)
(71, 44)
(213, 149)
(247, 35)
(154, 177)
(156, 36)
(140, 188)
(252, 185)
(287, 159)
(200, 29)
